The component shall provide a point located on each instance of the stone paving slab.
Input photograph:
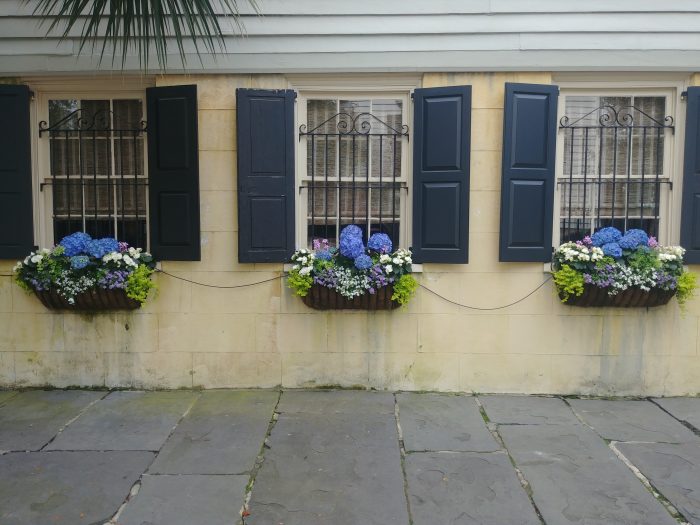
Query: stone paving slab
(466, 489)
(338, 469)
(335, 402)
(186, 500)
(222, 434)
(434, 422)
(527, 410)
(672, 469)
(631, 420)
(31, 419)
(684, 408)
(577, 479)
(66, 488)
(126, 421)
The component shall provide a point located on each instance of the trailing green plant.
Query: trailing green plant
(301, 284)
(569, 282)
(685, 289)
(404, 289)
(79, 264)
(139, 283)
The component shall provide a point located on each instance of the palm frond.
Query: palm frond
(121, 27)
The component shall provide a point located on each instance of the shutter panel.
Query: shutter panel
(265, 175)
(173, 172)
(441, 142)
(527, 184)
(16, 215)
(690, 214)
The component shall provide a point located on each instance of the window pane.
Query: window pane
(613, 160)
(354, 157)
(322, 146)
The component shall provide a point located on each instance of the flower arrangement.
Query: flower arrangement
(79, 264)
(613, 263)
(352, 269)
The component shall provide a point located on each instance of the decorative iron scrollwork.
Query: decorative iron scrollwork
(348, 124)
(617, 117)
(79, 121)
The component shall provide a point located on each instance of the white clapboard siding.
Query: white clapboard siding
(403, 35)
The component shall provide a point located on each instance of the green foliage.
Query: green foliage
(404, 289)
(301, 284)
(139, 283)
(643, 260)
(569, 281)
(687, 282)
(118, 27)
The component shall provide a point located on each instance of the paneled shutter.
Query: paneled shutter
(441, 142)
(690, 214)
(16, 216)
(173, 172)
(265, 175)
(527, 184)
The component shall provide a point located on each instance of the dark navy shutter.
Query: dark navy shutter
(173, 173)
(527, 185)
(16, 216)
(265, 175)
(690, 214)
(441, 142)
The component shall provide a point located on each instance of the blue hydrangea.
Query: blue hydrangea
(606, 236)
(363, 262)
(75, 243)
(612, 249)
(380, 242)
(78, 262)
(350, 242)
(324, 255)
(98, 248)
(633, 239)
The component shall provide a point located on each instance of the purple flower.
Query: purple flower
(114, 279)
(363, 262)
(320, 244)
(633, 239)
(78, 262)
(75, 243)
(612, 249)
(606, 236)
(123, 247)
(380, 242)
(652, 242)
(587, 240)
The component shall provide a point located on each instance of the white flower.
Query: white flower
(37, 258)
(388, 268)
(306, 270)
(129, 261)
(295, 267)
(396, 260)
(17, 267)
(26, 260)
(409, 260)
(384, 258)
(45, 251)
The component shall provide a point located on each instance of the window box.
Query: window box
(612, 269)
(322, 298)
(81, 273)
(632, 297)
(352, 276)
(97, 299)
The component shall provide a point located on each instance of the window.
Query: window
(95, 167)
(353, 165)
(614, 168)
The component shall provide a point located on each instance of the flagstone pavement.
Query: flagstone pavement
(345, 457)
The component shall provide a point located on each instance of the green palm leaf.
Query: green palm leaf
(122, 26)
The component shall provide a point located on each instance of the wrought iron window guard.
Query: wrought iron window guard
(351, 131)
(623, 125)
(123, 180)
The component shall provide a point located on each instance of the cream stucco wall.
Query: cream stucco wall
(262, 336)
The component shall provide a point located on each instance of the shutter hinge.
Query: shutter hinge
(412, 95)
(684, 95)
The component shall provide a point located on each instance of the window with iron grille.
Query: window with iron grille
(354, 168)
(615, 169)
(96, 166)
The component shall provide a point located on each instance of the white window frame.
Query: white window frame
(70, 88)
(670, 201)
(357, 87)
